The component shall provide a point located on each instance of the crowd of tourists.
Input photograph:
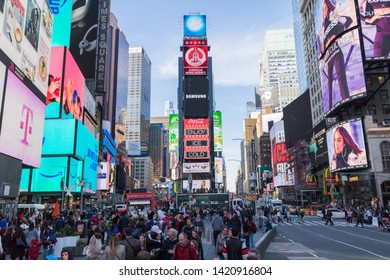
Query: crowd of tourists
(167, 233)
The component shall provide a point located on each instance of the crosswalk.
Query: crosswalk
(307, 223)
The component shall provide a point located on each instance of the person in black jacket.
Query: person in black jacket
(329, 215)
(234, 248)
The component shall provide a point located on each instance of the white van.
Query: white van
(237, 202)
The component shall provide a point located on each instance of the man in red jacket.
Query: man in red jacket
(184, 250)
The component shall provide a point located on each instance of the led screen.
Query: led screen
(318, 150)
(218, 167)
(194, 26)
(332, 18)
(195, 57)
(22, 124)
(58, 137)
(87, 147)
(62, 12)
(84, 36)
(217, 131)
(342, 72)
(375, 26)
(26, 33)
(198, 186)
(48, 176)
(346, 146)
(283, 172)
(73, 89)
(196, 98)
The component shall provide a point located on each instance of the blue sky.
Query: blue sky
(235, 30)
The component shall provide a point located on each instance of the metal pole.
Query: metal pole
(82, 184)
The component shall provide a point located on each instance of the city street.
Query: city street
(314, 240)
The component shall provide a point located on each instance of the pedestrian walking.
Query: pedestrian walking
(221, 239)
(216, 225)
(359, 218)
(328, 217)
(184, 250)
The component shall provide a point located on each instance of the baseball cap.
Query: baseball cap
(156, 229)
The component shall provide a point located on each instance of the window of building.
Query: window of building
(386, 108)
(358, 110)
(381, 79)
(371, 110)
(368, 81)
(384, 95)
(385, 153)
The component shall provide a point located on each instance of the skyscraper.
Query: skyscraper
(168, 108)
(299, 47)
(278, 68)
(311, 60)
(138, 101)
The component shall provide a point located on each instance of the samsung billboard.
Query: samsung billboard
(196, 97)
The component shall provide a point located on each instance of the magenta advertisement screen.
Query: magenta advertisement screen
(342, 72)
(346, 146)
(22, 124)
(332, 18)
(375, 25)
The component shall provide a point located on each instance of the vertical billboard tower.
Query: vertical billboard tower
(198, 144)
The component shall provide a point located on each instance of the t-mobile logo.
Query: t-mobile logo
(26, 122)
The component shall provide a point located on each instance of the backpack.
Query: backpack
(253, 228)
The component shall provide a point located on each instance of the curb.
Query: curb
(263, 243)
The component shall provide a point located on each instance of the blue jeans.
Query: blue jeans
(251, 241)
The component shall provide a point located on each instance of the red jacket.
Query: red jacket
(186, 252)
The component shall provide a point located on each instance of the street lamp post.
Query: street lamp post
(378, 188)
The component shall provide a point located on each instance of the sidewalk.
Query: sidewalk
(207, 239)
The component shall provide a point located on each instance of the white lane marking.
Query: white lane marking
(353, 246)
(292, 241)
(314, 255)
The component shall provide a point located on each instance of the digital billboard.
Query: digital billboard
(58, 137)
(173, 144)
(375, 26)
(265, 176)
(342, 72)
(194, 25)
(87, 147)
(346, 146)
(22, 123)
(62, 12)
(217, 117)
(84, 34)
(102, 179)
(218, 168)
(66, 86)
(283, 172)
(196, 138)
(266, 97)
(26, 33)
(134, 148)
(10, 172)
(199, 186)
(297, 119)
(196, 167)
(73, 89)
(318, 149)
(195, 57)
(196, 97)
(332, 18)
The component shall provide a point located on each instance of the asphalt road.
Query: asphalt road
(314, 240)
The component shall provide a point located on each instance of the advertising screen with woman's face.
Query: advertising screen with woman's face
(346, 146)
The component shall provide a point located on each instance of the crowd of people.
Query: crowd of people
(164, 234)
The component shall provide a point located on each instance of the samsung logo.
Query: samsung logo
(56, 5)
